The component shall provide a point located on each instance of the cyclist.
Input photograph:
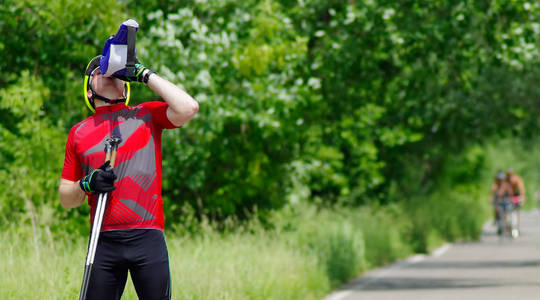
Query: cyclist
(518, 193)
(501, 192)
(132, 232)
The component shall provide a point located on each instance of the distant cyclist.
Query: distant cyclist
(501, 193)
(518, 191)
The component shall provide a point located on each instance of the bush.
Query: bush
(345, 242)
(385, 230)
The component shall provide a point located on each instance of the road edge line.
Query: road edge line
(341, 294)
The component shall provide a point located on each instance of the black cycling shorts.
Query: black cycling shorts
(143, 253)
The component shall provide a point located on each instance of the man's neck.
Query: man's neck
(99, 103)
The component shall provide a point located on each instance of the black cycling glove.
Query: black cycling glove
(137, 74)
(101, 180)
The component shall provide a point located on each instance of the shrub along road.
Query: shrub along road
(492, 268)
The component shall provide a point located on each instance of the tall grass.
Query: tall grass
(301, 261)
(38, 268)
(447, 215)
(237, 266)
(346, 241)
(243, 266)
(306, 255)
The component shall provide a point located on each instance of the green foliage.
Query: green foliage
(451, 214)
(426, 68)
(45, 48)
(345, 241)
(385, 231)
(236, 266)
(397, 106)
(29, 174)
(339, 248)
(333, 102)
(55, 40)
(234, 155)
(453, 206)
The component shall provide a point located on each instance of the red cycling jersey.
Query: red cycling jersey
(136, 202)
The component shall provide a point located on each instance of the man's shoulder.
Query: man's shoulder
(77, 127)
(516, 178)
(155, 108)
(152, 104)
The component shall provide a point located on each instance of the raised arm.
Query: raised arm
(182, 107)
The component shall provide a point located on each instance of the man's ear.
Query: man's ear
(89, 94)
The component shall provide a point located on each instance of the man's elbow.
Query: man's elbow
(190, 111)
(66, 205)
(65, 202)
(70, 204)
(194, 107)
(68, 200)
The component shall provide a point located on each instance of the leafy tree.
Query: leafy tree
(345, 102)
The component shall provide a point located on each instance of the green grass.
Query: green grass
(39, 269)
(307, 254)
(237, 266)
(243, 266)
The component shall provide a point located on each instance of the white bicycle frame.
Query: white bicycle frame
(514, 230)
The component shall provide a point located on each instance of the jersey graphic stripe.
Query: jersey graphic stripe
(138, 209)
(125, 215)
(142, 164)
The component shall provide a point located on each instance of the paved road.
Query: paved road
(492, 268)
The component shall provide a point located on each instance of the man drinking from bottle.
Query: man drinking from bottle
(131, 237)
